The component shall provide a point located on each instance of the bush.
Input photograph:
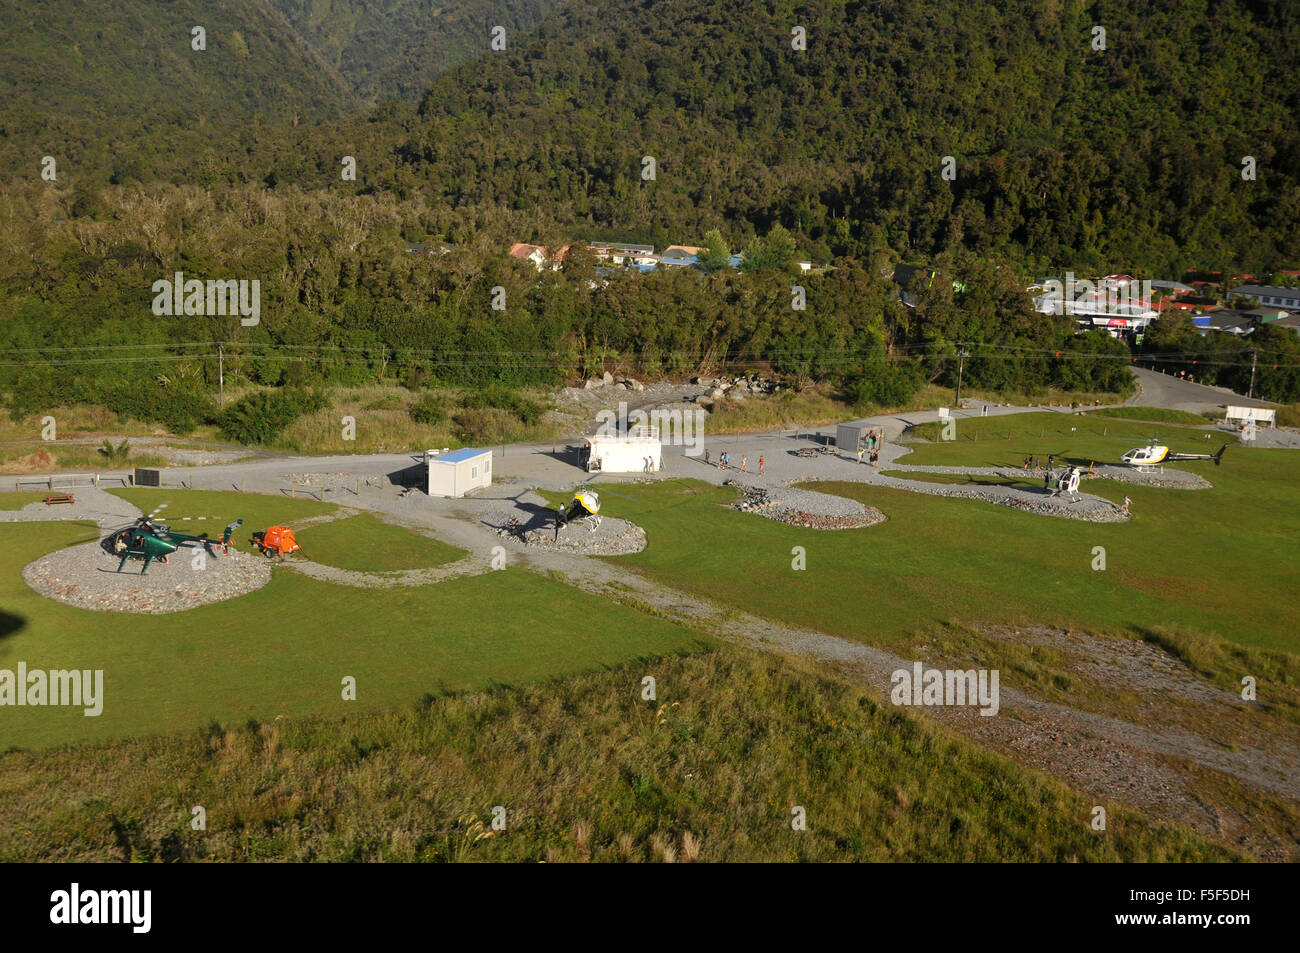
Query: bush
(260, 418)
(882, 385)
(494, 396)
(430, 410)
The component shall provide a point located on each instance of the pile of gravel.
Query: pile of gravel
(338, 480)
(613, 537)
(83, 576)
(805, 508)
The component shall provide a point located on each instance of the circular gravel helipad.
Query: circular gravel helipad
(83, 576)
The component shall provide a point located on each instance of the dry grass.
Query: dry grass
(585, 771)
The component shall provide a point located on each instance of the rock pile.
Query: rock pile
(805, 508)
(735, 388)
(608, 380)
(612, 537)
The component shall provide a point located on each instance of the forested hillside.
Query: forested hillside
(1126, 158)
(394, 49)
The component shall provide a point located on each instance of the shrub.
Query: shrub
(430, 410)
(260, 418)
(882, 385)
(502, 398)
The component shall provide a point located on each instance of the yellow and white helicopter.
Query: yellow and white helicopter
(1154, 454)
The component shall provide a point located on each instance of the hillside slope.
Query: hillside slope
(126, 96)
(394, 49)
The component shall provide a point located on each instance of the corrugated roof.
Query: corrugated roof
(456, 456)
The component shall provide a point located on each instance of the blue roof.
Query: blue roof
(456, 456)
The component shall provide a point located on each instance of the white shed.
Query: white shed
(459, 472)
(625, 454)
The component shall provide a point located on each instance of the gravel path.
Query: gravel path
(107, 510)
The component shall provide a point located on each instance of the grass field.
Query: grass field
(1216, 563)
(586, 770)
(365, 544)
(284, 649)
(1156, 414)
(257, 510)
(16, 501)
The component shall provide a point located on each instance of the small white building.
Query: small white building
(622, 454)
(457, 473)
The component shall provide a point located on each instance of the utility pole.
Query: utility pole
(961, 361)
(221, 373)
(1251, 392)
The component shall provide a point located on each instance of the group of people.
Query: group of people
(1031, 462)
(870, 448)
(724, 462)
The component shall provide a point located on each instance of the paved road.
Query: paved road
(1157, 389)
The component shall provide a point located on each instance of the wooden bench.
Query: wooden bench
(59, 498)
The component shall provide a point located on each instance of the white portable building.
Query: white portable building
(459, 472)
(625, 454)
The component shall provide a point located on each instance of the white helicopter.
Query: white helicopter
(1154, 454)
(1067, 482)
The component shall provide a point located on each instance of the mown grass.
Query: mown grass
(1078, 439)
(585, 770)
(363, 543)
(284, 649)
(257, 510)
(16, 500)
(1158, 414)
(1183, 560)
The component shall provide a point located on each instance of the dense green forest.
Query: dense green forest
(393, 49)
(1066, 156)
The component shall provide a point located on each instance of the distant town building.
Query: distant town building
(1270, 294)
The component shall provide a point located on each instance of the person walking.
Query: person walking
(706, 457)
(1051, 457)
(1124, 508)
(860, 452)
(1047, 476)
(760, 466)
(744, 463)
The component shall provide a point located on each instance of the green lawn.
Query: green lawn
(1219, 563)
(365, 544)
(1073, 439)
(284, 649)
(17, 500)
(257, 510)
(1156, 414)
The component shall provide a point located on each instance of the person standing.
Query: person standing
(860, 452)
(744, 463)
(760, 466)
(1124, 508)
(706, 457)
(1051, 458)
